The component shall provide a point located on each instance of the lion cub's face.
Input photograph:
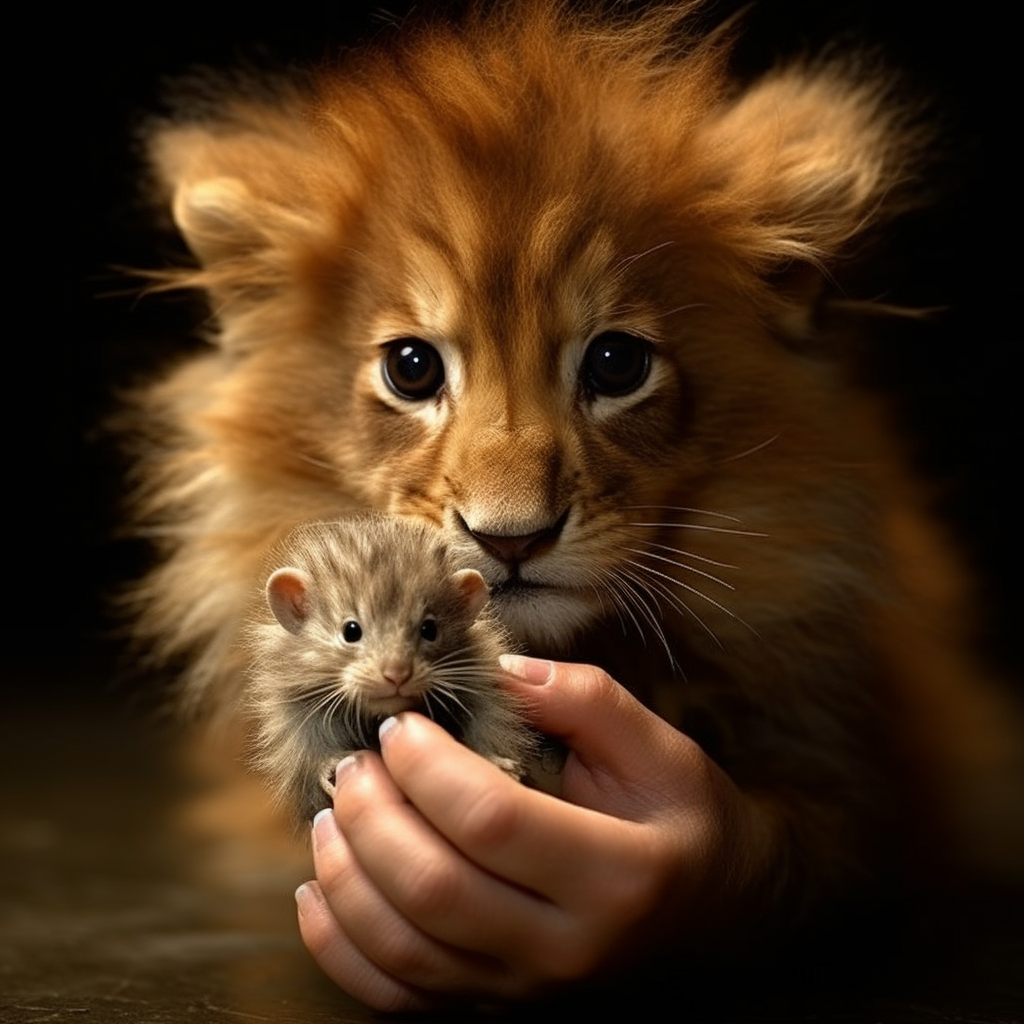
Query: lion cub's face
(565, 398)
(517, 285)
(525, 403)
(531, 397)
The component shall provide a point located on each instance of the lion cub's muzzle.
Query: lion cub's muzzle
(513, 549)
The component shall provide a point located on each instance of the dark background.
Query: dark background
(78, 330)
(111, 912)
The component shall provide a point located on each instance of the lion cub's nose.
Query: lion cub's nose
(520, 547)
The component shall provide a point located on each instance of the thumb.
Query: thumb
(606, 727)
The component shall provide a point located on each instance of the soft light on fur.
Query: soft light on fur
(730, 534)
(318, 695)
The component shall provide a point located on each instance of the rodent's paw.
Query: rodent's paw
(326, 777)
(553, 755)
(507, 765)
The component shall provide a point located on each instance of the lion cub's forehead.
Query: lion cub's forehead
(552, 276)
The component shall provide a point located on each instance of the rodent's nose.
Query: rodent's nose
(396, 672)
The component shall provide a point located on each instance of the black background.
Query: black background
(77, 331)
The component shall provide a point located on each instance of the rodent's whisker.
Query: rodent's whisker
(444, 693)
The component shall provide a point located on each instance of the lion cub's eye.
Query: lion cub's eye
(616, 363)
(413, 369)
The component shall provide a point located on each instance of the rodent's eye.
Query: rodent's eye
(428, 629)
(615, 363)
(351, 632)
(412, 369)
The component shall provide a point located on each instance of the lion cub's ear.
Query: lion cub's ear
(222, 220)
(801, 165)
(226, 191)
(254, 201)
(804, 161)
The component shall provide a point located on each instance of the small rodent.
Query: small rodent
(371, 617)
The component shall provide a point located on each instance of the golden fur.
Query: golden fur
(731, 536)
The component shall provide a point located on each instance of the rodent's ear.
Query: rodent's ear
(474, 590)
(289, 594)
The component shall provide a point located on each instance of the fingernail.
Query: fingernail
(388, 725)
(536, 671)
(324, 828)
(305, 897)
(346, 766)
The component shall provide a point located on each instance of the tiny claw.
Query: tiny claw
(328, 780)
(508, 766)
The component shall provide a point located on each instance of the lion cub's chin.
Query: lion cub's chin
(546, 619)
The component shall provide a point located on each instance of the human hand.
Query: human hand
(439, 875)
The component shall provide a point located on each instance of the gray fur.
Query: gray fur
(317, 697)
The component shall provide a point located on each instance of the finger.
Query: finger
(406, 896)
(629, 763)
(523, 836)
(373, 926)
(603, 724)
(342, 961)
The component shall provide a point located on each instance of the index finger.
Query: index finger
(522, 835)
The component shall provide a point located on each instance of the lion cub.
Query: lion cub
(551, 284)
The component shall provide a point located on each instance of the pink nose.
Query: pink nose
(396, 672)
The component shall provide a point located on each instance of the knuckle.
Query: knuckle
(403, 953)
(594, 683)
(630, 896)
(587, 943)
(434, 890)
(577, 954)
(489, 820)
